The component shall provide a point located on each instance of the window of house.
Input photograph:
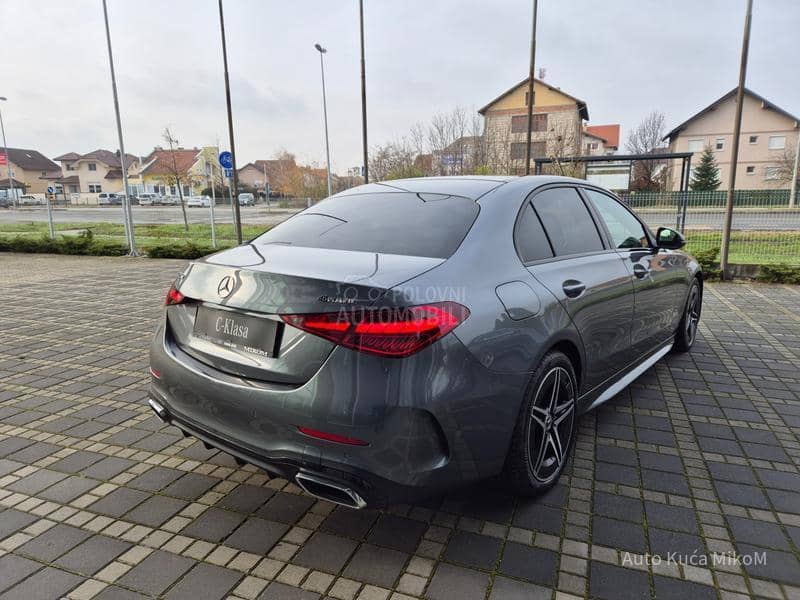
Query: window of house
(772, 173)
(625, 229)
(753, 139)
(95, 188)
(750, 170)
(530, 238)
(44, 173)
(569, 226)
(696, 145)
(719, 144)
(518, 150)
(92, 166)
(70, 167)
(538, 123)
(777, 142)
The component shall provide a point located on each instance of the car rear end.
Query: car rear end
(293, 353)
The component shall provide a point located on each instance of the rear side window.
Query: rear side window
(530, 238)
(390, 223)
(567, 221)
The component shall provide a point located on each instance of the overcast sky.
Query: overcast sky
(623, 57)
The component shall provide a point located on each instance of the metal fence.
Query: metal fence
(766, 226)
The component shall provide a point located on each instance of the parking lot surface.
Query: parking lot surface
(685, 485)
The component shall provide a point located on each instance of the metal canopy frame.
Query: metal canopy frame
(684, 157)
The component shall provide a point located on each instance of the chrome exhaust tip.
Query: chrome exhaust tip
(328, 490)
(160, 411)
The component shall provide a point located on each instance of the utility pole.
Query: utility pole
(322, 52)
(363, 95)
(126, 201)
(737, 128)
(237, 217)
(8, 158)
(795, 174)
(531, 92)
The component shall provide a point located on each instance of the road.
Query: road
(146, 215)
(745, 219)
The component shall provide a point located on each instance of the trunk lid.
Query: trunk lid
(232, 319)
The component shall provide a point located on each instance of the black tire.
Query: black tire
(543, 423)
(687, 328)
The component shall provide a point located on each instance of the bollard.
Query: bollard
(50, 218)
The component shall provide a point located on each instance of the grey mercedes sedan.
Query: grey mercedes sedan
(410, 336)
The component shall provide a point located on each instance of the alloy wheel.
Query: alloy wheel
(692, 315)
(550, 431)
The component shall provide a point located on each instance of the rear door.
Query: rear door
(589, 279)
(657, 280)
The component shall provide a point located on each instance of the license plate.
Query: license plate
(236, 331)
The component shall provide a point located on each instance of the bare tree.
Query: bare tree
(394, 160)
(177, 174)
(563, 142)
(647, 138)
(785, 165)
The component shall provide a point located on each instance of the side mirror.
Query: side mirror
(669, 239)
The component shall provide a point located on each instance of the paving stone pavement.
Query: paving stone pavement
(98, 499)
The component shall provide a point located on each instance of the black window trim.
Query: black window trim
(607, 233)
(601, 230)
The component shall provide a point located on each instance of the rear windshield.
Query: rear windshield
(431, 225)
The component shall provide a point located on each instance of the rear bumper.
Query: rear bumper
(433, 421)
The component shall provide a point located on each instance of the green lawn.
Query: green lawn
(750, 247)
(200, 233)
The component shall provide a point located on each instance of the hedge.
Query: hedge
(86, 244)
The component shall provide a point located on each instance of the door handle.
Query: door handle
(640, 271)
(573, 288)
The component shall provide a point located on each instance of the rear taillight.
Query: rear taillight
(173, 296)
(388, 331)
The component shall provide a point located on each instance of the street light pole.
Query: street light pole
(737, 128)
(363, 94)
(237, 217)
(8, 158)
(531, 93)
(322, 51)
(126, 202)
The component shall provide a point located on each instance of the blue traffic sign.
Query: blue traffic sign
(226, 159)
(50, 189)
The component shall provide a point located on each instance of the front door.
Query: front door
(655, 277)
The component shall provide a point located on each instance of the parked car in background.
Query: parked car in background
(30, 200)
(395, 339)
(198, 202)
(108, 199)
(246, 199)
(168, 201)
(147, 199)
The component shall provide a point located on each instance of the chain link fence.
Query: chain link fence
(201, 221)
(766, 225)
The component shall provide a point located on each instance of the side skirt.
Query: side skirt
(630, 376)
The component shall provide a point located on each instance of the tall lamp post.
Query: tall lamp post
(8, 158)
(126, 200)
(322, 51)
(237, 217)
(363, 94)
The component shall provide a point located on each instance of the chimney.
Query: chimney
(542, 73)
